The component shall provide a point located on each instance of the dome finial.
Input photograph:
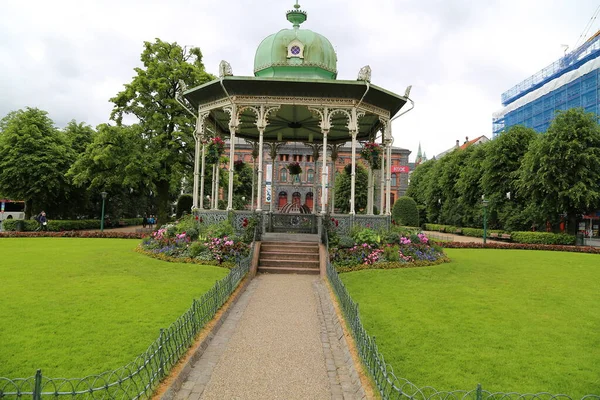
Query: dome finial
(297, 16)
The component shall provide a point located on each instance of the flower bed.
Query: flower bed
(397, 251)
(184, 242)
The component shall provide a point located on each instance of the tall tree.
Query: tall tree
(343, 185)
(116, 162)
(165, 126)
(35, 158)
(469, 185)
(560, 173)
(420, 180)
(501, 176)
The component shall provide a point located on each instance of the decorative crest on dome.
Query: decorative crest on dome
(297, 16)
(364, 74)
(225, 69)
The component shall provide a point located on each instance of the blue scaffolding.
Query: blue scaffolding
(537, 114)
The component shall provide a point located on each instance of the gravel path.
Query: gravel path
(281, 340)
(276, 352)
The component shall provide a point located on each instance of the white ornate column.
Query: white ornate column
(196, 168)
(353, 134)
(199, 134)
(382, 170)
(388, 169)
(370, 190)
(262, 120)
(233, 125)
(202, 176)
(325, 125)
(215, 186)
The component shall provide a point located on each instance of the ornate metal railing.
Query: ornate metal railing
(392, 387)
(139, 378)
(296, 223)
(345, 223)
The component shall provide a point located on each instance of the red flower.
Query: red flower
(245, 222)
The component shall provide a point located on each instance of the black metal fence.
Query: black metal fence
(139, 378)
(392, 387)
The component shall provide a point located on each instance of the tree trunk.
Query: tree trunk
(162, 188)
(28, 208)
(572, 228)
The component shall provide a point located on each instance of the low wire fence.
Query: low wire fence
(139, 378)
(388, 384)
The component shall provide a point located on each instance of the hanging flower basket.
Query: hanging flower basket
(238, 165)
(214, 150)
(294, 168)
(371, 153)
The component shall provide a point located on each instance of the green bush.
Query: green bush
(197, 248)
(189, 225)
(184, 204)
(405, 212)
(219, 230)
(346, 242)
(365, 235)
(391, 253)
(542, 238)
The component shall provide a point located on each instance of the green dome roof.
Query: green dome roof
(296, 53)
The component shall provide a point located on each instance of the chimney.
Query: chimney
(457, 144)
(466, 139)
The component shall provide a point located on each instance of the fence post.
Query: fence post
(37, 388)
(479, 394)
(161, 358)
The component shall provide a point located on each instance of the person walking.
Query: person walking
(43, 221)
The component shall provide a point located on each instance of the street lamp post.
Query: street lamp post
(485, 204)
(104, 194)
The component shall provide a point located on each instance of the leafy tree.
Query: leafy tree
(501, 176)
(115, 162)
(79, 136)
(560, 173)
(35, 158)
(469, 185)
(450, 167)
(343, 188)
(405, 211)
(165, 127)
(420, 180)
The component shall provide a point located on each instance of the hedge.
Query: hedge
(518, 246)
(66, 225)
(405, 211)
(543, 238)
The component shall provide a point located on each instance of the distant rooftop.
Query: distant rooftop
(587, 51)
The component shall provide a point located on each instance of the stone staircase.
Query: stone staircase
(292, 257)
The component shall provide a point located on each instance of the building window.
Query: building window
(284, 157)
(311, 176)
(298, 157)
(309, 200)
(283, 175)
(309, 158)
(394, 180)
(296, 179)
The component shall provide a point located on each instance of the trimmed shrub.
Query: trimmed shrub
(405, 212)
(543, 238)
(184, 203)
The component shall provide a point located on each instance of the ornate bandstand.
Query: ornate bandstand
(294, 97)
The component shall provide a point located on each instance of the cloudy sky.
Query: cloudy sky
(69, 57)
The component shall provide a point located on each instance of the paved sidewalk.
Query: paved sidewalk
(278, 342)
(458, 238)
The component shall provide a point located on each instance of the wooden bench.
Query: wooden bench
(458, 232)
(493, 235)
(505, 236)
(122, 223)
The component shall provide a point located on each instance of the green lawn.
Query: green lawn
(512, 320)
(75, 307)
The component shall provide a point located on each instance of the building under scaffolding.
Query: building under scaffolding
(572, 81)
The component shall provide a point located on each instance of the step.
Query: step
(288, 255)
(288, 270)
(296, 247)
(288, 263)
